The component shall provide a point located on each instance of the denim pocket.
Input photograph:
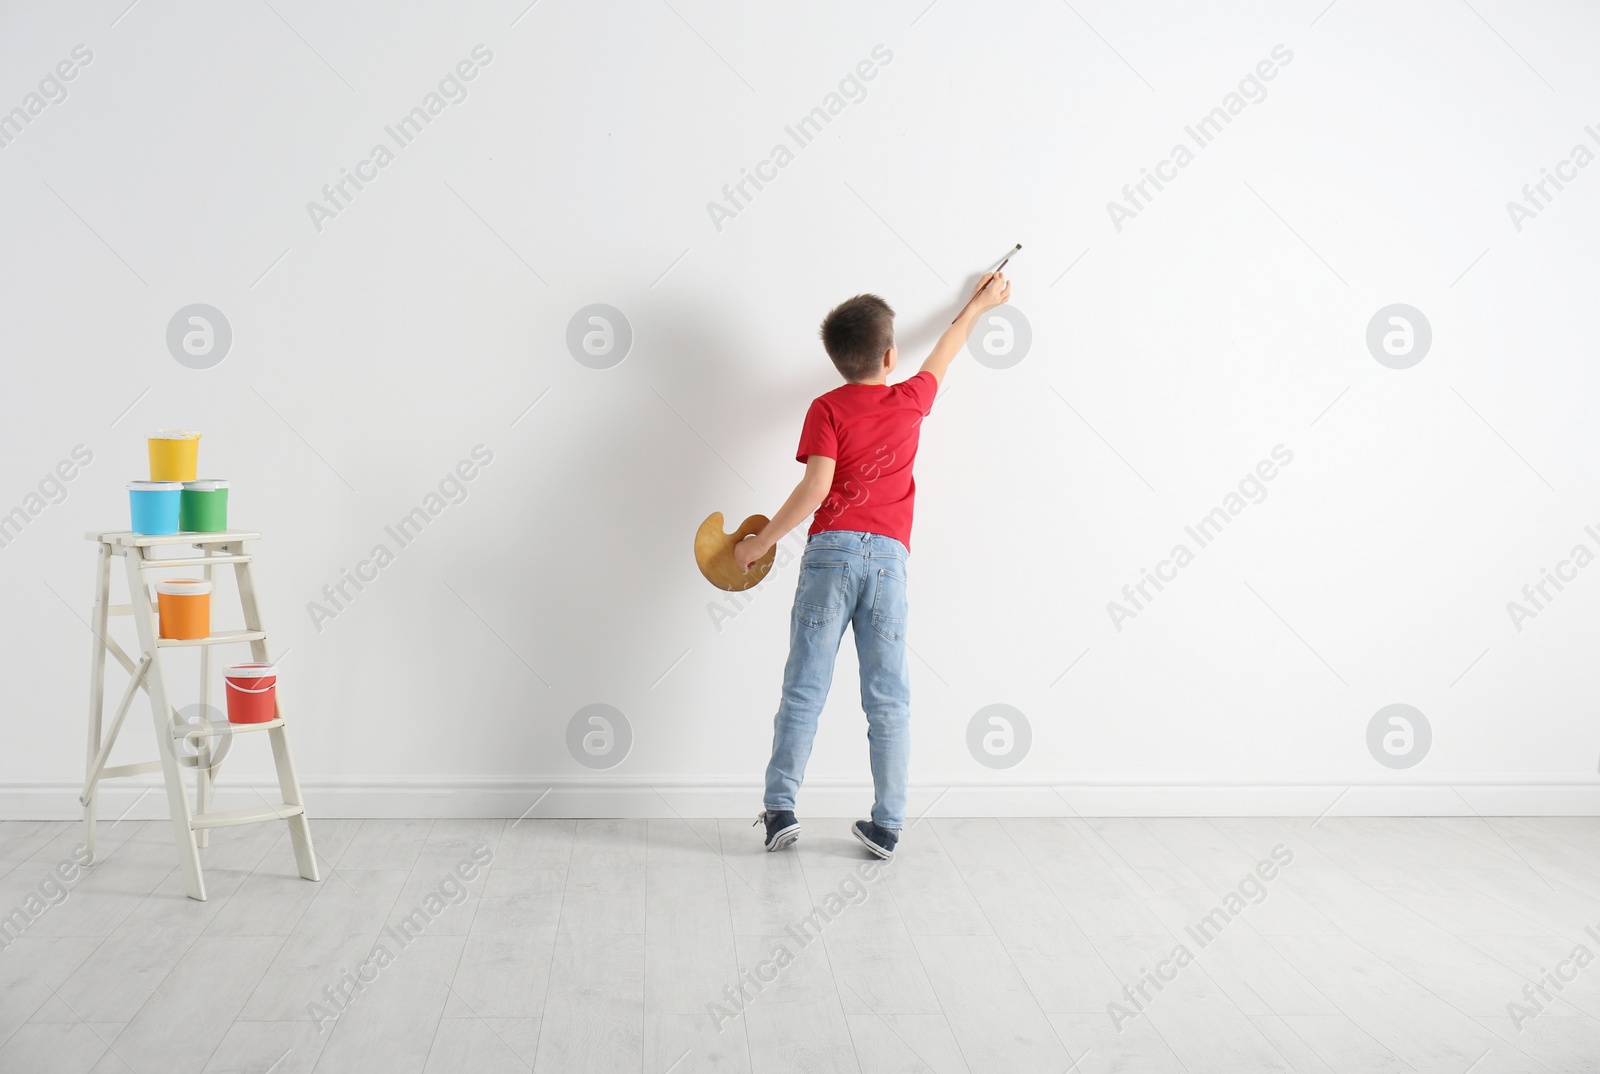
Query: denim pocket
(889, 605)
(819, 597)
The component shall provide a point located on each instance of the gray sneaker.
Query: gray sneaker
(782, 827)
(876, 838)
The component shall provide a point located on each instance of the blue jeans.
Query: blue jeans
(847, 578)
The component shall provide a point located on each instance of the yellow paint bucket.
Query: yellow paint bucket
(174, 455)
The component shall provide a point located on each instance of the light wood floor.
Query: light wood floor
(988, 945)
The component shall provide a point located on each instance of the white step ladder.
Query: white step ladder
(192, 829)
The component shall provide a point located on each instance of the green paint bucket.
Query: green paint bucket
(203, 507)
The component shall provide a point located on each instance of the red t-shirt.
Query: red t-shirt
(870, 432)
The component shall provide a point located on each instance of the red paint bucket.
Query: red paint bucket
(252, 691)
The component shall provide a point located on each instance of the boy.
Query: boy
(858, 444)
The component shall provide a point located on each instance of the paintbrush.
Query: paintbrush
(990, 280)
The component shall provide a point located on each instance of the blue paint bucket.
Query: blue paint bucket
(154, 505)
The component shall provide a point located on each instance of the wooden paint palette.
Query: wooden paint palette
(713, 553)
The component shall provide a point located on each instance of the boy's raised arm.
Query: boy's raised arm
(955, 337)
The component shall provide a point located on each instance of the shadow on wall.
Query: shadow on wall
(750, 409)
(612, 570)
(916, 338)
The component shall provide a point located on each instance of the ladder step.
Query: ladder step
(124, 539)
(191, 561)
(130, 769)
(252, 815)
(221, 637)
(222, 727)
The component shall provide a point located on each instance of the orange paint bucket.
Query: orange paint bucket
(252, 691)
(184, 605)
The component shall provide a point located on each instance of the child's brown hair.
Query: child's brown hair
(856, 334)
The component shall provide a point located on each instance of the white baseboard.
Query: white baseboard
(642, 797)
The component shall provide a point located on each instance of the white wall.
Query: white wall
(1168, 358)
